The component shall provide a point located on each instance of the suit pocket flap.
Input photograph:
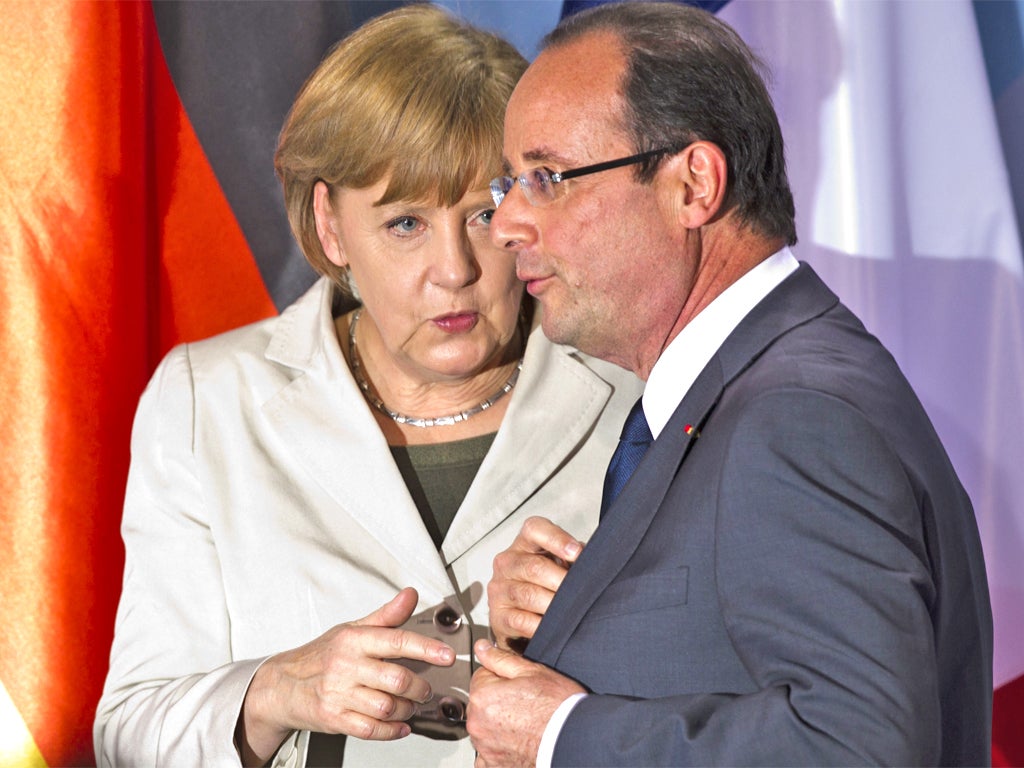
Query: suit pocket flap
(644, 592)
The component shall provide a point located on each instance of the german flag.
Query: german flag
(138, 209)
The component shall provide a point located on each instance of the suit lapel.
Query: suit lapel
(627, 520)
(799, 298)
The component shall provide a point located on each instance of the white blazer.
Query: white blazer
(263, 507)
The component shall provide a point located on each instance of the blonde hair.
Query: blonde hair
(414, 93)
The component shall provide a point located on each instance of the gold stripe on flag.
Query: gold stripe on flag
(17, 747)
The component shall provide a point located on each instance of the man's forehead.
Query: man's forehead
(572, 91)
(592, 65)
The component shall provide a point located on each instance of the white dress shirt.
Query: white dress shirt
(671, 378)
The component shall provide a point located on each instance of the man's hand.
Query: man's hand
(526, 577)
(511, 700)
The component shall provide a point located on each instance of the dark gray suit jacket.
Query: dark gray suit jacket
(797, 579)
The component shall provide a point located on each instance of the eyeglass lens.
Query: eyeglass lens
(536, 183)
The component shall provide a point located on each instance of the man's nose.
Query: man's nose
(513, 225)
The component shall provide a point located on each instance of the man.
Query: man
(793, 574)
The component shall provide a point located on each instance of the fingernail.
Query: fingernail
(574, 548)
(482, 646)
(447, 654)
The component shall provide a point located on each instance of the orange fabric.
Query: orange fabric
(115, 242)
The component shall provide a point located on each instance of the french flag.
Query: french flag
(909, 188)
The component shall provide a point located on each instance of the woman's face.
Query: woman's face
(439, 298)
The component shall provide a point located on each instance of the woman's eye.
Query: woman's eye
(404, 225)
(484, 217)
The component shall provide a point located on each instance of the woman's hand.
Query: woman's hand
(526, 577)
(341, 683)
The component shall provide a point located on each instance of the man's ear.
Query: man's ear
(693, 184)
(327, 224)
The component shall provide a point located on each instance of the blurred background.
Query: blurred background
(139, 209)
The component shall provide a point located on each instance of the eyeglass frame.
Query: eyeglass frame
(557, 177)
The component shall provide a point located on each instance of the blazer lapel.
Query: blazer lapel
(322, 419)
(553, 409)
(799, 298)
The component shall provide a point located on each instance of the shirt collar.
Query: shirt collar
(687, 354)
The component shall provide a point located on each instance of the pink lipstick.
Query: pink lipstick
(458, 323)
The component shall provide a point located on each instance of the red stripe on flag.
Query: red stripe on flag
(1008, 725)
(208, 279)
(116, 243)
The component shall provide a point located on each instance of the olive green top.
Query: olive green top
(438, 477)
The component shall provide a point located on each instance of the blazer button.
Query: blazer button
(447, 620)
(452, 710)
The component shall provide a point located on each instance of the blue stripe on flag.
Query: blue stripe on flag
(569, 7)
(1001, 27)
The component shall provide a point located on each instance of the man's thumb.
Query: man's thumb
(501, 662)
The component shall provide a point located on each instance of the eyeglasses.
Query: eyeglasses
(540, 185)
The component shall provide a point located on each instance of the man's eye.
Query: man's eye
(539, 179)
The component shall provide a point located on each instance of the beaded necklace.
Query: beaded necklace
(414, 421)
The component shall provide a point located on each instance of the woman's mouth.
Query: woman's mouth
(461, 322)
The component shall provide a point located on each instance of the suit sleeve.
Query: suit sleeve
(173, 692)
(825, 586)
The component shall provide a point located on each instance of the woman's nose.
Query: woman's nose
(455, 264)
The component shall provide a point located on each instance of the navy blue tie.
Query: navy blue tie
(636, 438)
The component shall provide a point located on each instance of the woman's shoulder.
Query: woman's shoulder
(295, 333)
(563, 360)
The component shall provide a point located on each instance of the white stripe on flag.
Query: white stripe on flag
(904, 207)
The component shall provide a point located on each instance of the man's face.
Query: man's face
(604, 259)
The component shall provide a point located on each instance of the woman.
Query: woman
(391, 429)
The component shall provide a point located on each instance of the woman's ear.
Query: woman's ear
(327, 224)
(693, 184)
